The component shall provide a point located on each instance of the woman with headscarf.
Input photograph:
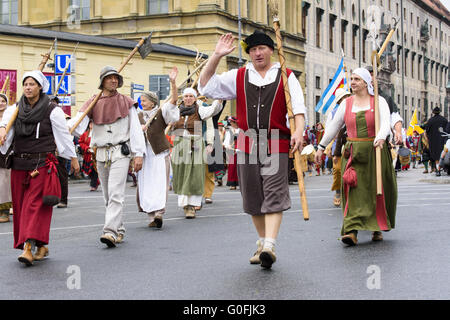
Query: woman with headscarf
(363, 209)
(188, 156)
(5, 174)
(153, 179)
(38, 132)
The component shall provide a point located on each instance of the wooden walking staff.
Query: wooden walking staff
(376, 55)
(5, 85)
(297, 165)
(45, 58)
(144, 48)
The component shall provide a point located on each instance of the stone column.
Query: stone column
(208, 5)
(57, 12)
(98, 9)
(177, 6)
(25, 13)
(133, 7)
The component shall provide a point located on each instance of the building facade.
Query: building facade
(194, 25)
(414, 66)
(22, 49)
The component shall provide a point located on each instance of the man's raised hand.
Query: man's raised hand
(173, 74)
(225, 45)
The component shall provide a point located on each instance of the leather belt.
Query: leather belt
(42, 155)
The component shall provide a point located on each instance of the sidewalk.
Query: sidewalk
(417, 176)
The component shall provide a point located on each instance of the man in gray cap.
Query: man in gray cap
(116, 138)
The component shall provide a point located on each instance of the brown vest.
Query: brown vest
(155, 132)
(27, 149)
(190, 123)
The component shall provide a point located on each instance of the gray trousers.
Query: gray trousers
(113, 180)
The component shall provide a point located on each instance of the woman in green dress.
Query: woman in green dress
(362, 208)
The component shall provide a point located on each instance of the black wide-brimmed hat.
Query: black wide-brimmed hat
(258, 38)
(437, 110)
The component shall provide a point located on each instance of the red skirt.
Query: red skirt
(31, 217)
(232, 180)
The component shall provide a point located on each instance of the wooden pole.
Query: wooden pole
(297, 164)
(377, 125)
(5, 85)
(97, 97)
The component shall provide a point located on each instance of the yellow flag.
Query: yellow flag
(413, 125)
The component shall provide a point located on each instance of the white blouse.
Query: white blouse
(337, 122)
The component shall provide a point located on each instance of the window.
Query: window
(82, 9)
(412, 66)
(9, 12)
(158, 6)
(317, 83)
(343, 29)
(331, 32)
(354, 36)
(160, 85)
(304, 17)
(365, 33)
(319, 13)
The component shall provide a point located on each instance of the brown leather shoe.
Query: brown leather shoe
(41, 253)
(337, 201)
(350, 239)
(255, 259)
(158, 222)
(189, 212)
(267, 257)
(120, 238)
(4, 217)
(377, 236)
(27, 256)
(108, 240)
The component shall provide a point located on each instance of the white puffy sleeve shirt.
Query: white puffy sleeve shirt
(223, 86)
(63, 139)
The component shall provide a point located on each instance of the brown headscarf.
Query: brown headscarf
(109, 108)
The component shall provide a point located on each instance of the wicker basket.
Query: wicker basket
(404, 160)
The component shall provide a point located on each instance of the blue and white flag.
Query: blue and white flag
(328, 99)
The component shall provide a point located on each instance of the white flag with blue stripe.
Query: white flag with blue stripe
(328, 99)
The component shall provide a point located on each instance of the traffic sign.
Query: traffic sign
(62, 60)
(66, 85)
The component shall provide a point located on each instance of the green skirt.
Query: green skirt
(188, 165)
(362, 199)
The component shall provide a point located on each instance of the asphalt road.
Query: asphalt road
(207, 257)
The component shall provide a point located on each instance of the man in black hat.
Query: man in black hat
(262, 117)
(433, 128)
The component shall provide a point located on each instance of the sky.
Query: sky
(446, 3)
